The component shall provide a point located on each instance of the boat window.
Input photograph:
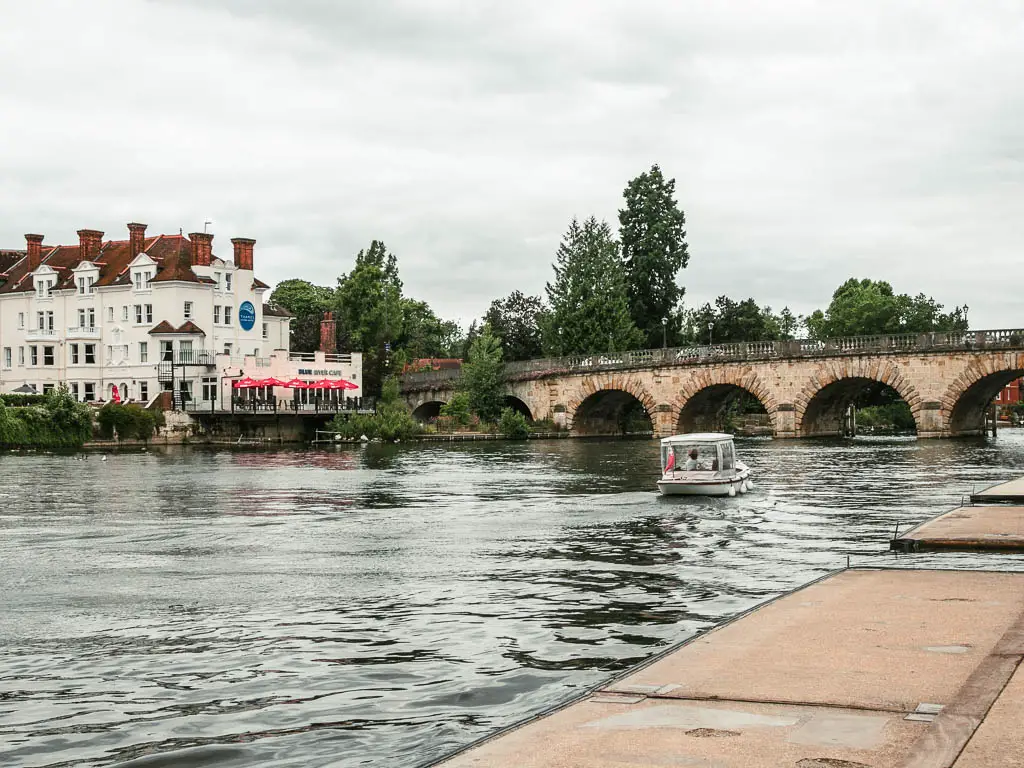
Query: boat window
(728, 456)
(705, 455)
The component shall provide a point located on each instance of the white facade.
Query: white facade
(95, 324)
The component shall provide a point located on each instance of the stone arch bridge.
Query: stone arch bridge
(805, 387)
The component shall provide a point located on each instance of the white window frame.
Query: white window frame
(143, 351)
(216, 314)
(227, 282)
(227, 315)
(149, 313)
(74, 354)
(8, 358)
(188, 310)
(21, 321)
(86, 354)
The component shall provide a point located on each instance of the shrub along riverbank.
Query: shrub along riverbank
(54, 421)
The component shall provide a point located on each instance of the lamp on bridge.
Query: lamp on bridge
(967, 324)
(710, 326)
(664, 332)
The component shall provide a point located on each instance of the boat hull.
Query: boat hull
(731, 486)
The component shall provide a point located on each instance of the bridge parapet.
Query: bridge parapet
(698, 355)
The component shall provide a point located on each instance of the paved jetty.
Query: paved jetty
(865, 669)
(1013, 491)
(996, 528)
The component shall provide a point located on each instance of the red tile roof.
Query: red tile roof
(187, 327)
(257, 283)
(273, 310)
(8, 258)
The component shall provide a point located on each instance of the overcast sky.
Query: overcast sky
(810, 141)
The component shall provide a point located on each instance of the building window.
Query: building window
(143, 351)
(124, 312)
(21, 355)
(216, 315)
(33, 352)
(90, 354)
(216, 280)
(188, 310)
(47, 388)
(91, 283)
(48, 358)
(41, 321)
(110, 314)
(167, 351)
(138, 314)
(7, 357)
(90, 392)
(138, 280)
(74, 354)
(81, 286)
(21, 320)
(144, 391)
(227, 315)
(227, 347)
(266, 331)
(74, 389)
(227, 282)
(149, 313)
(148, 278)
(209, 388)
(49, 321)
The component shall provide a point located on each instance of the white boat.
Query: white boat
(702, 464)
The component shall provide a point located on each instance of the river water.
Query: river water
(383, 605)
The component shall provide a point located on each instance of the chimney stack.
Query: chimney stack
(136, 238)
(328, 334)
(243, 252)
(89, 243)
(34, 246)
(202, 248)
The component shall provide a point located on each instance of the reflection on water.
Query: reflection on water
(382, 605)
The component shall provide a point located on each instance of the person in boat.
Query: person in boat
(691, 463)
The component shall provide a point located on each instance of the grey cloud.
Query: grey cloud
(809, 142)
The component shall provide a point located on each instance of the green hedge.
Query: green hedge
(17, 399)
(55, 422)
(129, 421)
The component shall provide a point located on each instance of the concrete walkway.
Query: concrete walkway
(995, 528)
(848, 672)
(1013, 491)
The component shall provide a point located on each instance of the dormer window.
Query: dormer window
(90, 284)
(227, 282)
(216, 280)
(138, 281)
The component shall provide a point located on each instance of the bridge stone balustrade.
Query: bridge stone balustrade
(947, 379)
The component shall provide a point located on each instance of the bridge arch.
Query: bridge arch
(519, 405)
(605, 403)
(972, 392)
(828, 393)
(429, 409)
(703, 399)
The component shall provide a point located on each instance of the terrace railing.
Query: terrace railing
(908, 343)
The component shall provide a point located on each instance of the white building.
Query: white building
(145, 314)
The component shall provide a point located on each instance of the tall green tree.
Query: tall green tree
(482, 376)
(515, 321)
(424, 334)
(729, 320)
(653, 235)
(307, 303)
(589, 305)
(368, 306)
(867, 307)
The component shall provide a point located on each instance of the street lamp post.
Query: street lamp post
(664, 333)
(710, 326)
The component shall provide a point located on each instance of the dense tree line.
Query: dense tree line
(610, 291)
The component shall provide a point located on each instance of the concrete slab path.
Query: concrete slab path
(996, 527)
(1013, 491)
(864, 669)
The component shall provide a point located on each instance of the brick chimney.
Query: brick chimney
(328, 334)
(202, 248)
(136, 238)
(89, 243)
(243, 252)
(34, 246)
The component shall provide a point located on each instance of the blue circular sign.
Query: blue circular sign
(247, 315)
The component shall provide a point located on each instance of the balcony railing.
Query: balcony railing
(910, 343)
(41, 334)
(84, 332)
(310, 357)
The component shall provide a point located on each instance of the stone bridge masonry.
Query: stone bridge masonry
(806, 387)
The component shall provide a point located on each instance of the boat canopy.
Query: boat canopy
(697, 437)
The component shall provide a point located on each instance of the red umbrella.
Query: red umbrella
(343, 384)
(322, 384)
(246, 383)
(296, 384)
(271, 382)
